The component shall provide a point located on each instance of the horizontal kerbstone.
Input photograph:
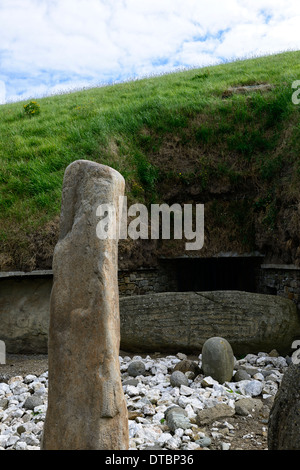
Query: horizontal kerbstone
(183, 321)
(166, 322)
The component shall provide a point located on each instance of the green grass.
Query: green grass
(126, 126)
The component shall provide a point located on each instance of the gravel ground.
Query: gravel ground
(19, 364)
(250, 432)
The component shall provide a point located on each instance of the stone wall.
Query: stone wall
(147, 281)
(282, 280)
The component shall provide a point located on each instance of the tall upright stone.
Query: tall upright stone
(284, 419)
(86, 405)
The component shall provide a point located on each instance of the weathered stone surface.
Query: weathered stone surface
(241, 375)
(250, 322)
(187, 365)
(86, 404)
(218, 359)
(178, 378)
(24, 314)
(32, 401)
(176, 417)
(136, 368)
(284, 420)
(208, 415)
(247, 405)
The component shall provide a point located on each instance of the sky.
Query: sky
(56, 46)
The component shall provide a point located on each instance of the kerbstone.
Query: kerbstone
(249, 321)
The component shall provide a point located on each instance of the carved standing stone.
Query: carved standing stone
(86, 404)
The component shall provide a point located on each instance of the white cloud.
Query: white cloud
(2, 92)
(46, 45)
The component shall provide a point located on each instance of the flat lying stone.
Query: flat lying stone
(245, 406)
(208, 415)
(250, 322)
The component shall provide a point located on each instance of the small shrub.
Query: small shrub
(32, 108)
(201, 76)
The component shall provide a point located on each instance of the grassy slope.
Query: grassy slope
(174, 131)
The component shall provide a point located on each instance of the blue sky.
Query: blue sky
(53, 46)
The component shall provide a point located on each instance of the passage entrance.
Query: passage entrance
(223, 273)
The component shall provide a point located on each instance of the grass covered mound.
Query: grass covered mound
(226, 136)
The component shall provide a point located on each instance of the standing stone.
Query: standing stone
(218, 359)
(2, 353)
(86, 405)
(284, 419)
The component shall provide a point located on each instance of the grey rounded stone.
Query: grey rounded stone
(178, 378)
(32, 401)
(241, 375)
(21, 429)
(253, 388)
(218, 359)
(176, 417)
(136, 368)
(204, 441)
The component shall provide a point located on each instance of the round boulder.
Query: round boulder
(178, 378)
(136, 368)
(218, 359)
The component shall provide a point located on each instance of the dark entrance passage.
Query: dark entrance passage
(224, 273)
